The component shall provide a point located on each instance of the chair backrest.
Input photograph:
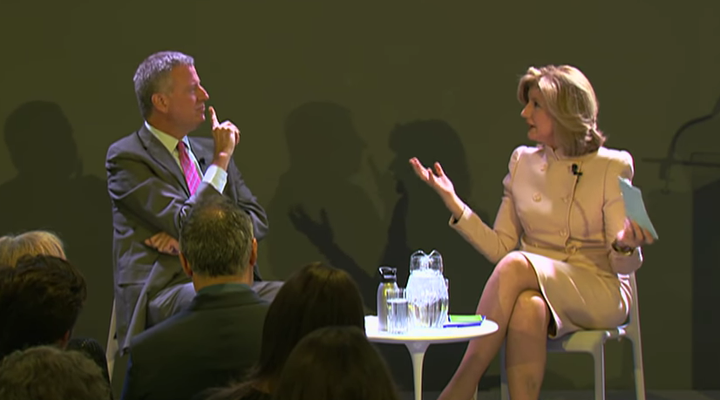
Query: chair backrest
(634, 314)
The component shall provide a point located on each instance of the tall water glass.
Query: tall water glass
(397, 311)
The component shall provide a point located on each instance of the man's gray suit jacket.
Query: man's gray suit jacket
(149, 195)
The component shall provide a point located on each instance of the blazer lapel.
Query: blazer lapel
(163, 158)
(203, 155)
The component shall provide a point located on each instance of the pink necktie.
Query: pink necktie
(191, 173)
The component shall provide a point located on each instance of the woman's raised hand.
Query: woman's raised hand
(435, 179)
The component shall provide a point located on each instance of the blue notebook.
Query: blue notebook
(635, 207)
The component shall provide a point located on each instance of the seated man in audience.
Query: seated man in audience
(48, 373)
(40, 301)
(42, 298)
(218, 337)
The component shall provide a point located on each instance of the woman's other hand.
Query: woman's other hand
(633, 236)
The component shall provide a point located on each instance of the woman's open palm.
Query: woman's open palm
(436, 179)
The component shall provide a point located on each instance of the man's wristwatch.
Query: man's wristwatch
(624, 250)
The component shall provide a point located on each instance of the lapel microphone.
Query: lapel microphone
(576, 171)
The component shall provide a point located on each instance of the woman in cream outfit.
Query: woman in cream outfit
(563, 208)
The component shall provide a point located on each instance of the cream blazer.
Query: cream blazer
(548, 210)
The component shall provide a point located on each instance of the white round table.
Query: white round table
(418, 340)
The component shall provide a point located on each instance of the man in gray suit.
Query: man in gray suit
(217, 338)
(155, 176)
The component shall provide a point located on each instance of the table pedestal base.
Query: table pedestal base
(417, 354)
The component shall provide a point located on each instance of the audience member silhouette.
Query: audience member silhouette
(315, 296)
(48, 373)
(335, 362)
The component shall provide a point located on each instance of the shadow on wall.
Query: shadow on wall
(317, 209)
(692, 165)
(318, 213)
(50, 192)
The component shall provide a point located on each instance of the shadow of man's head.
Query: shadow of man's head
(322, 140)
(429, 141)
(39, 138)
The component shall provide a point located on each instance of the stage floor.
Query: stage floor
(588, 395)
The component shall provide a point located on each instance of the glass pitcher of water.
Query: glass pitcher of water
(426, 290)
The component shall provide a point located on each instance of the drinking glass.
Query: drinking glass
(397, 314)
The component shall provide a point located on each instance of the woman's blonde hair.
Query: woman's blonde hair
(571, 101)
(31, 243)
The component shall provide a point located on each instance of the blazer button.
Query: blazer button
(565, 199)
(563, 232)
(537, 197)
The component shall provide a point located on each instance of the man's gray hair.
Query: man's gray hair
(216, 238)
(48, 373)
(152, 76)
